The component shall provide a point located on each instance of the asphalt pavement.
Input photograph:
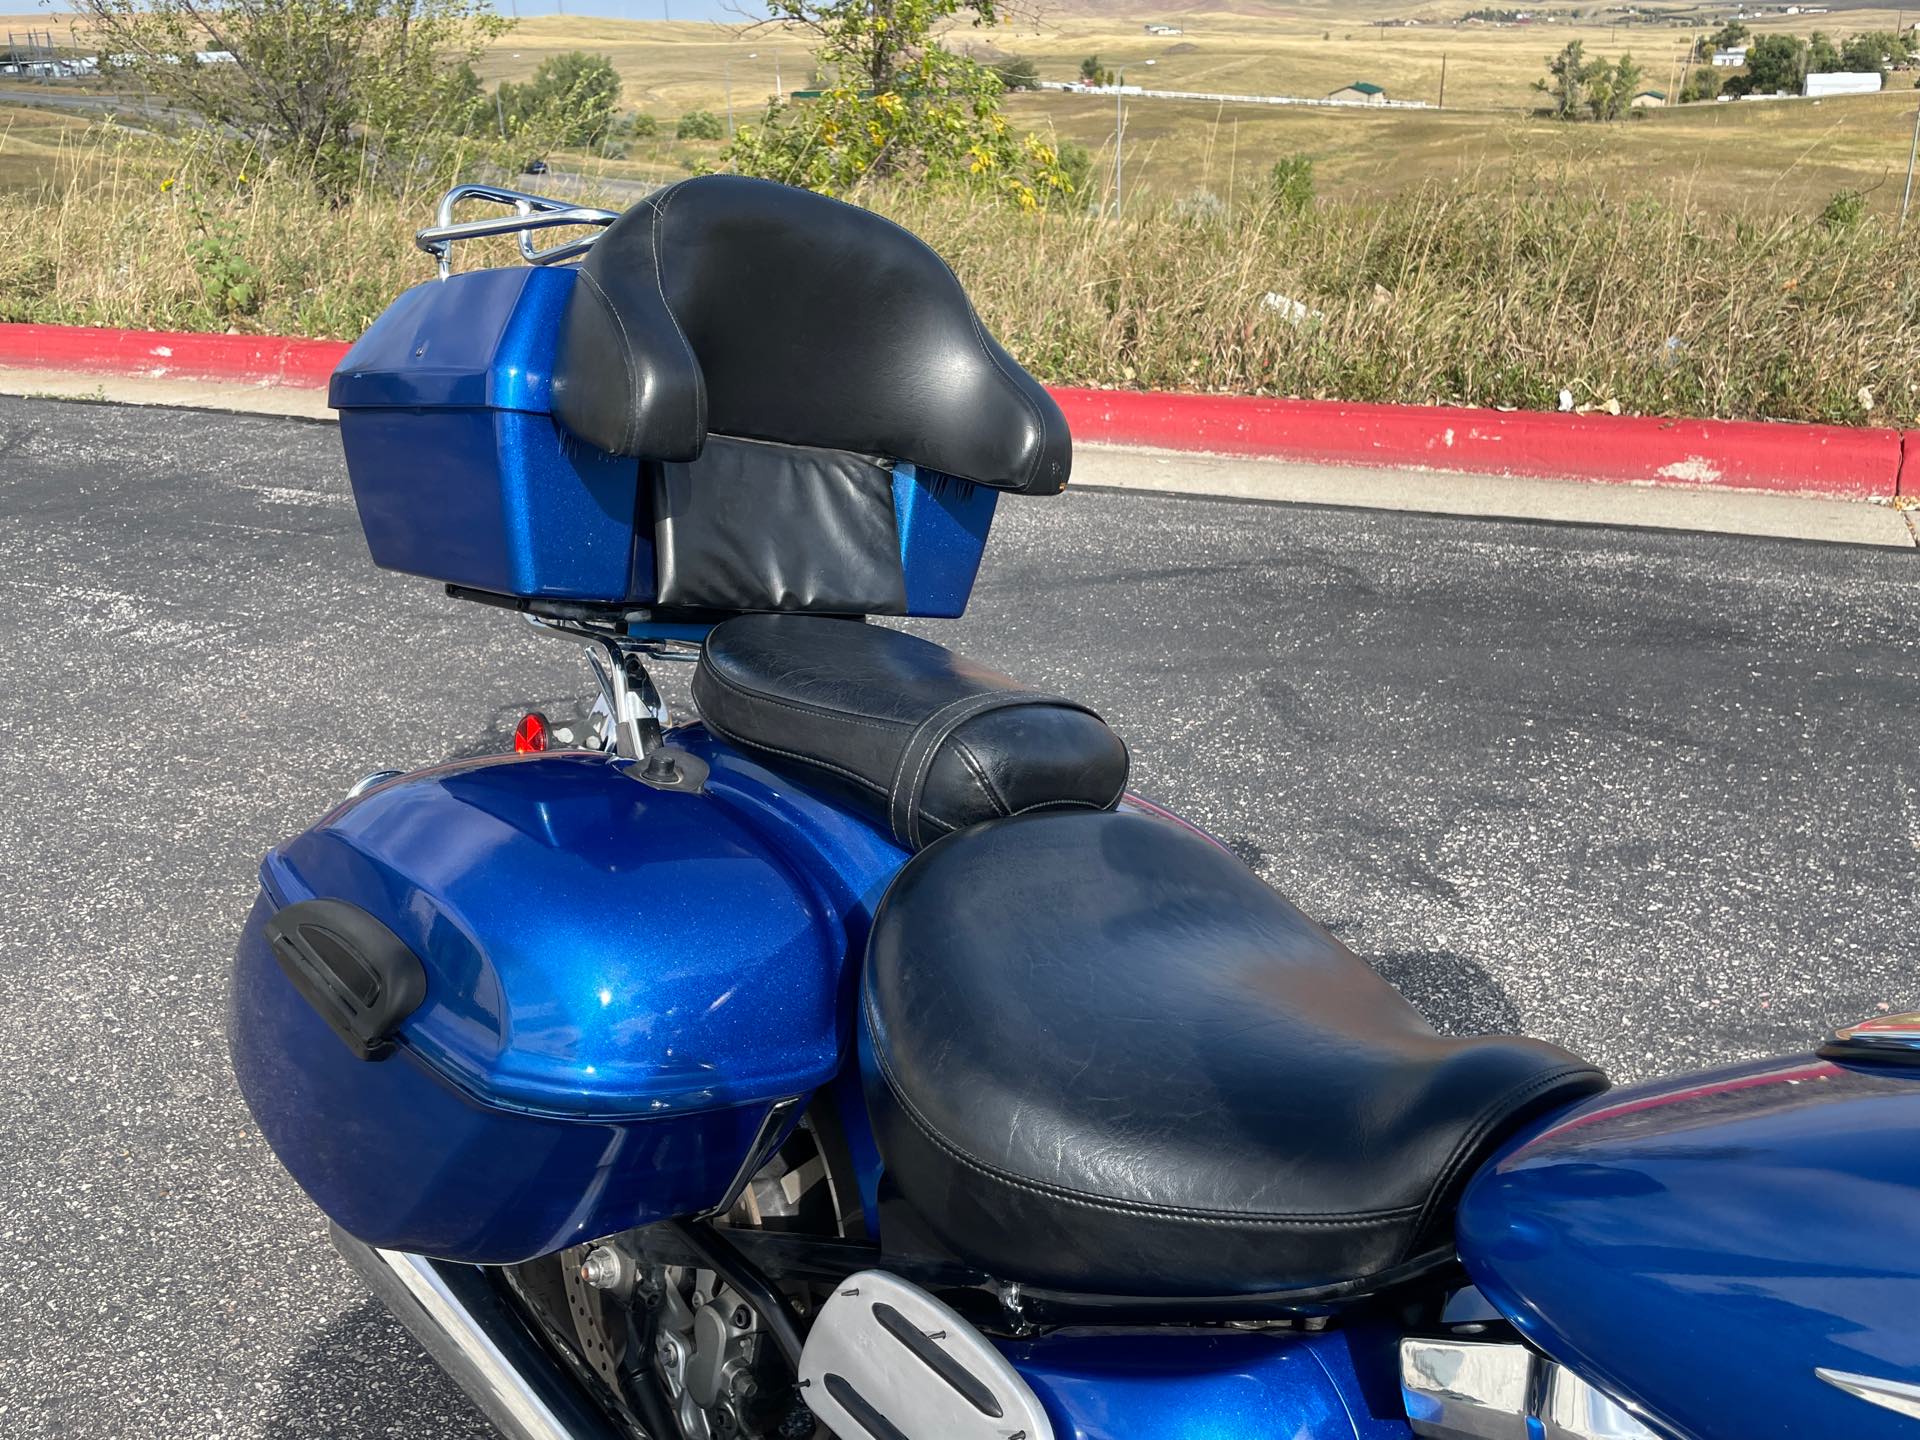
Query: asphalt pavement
(1648, 795)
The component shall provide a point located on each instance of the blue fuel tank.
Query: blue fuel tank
(1719, 1249)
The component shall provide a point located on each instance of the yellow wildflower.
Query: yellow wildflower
(166, 185)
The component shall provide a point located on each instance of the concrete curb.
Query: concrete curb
(1837, 461)
(1834, 461)
(170, 355)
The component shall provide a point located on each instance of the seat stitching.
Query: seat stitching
(1349, 1219)
(924, 726)
(713, 724)
(1059, 805)
(660, 288)
(943, 725)
(748, 692)
(1489, 1116)
(627, 430)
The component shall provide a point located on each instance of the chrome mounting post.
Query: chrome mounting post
(636, 714)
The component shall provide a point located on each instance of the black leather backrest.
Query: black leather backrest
(744, 307)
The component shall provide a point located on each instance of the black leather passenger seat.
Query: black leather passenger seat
(923, 739)
(1112, 1061)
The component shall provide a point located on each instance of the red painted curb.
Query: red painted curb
(252, 359)
(1833, 460)
(1836, 460)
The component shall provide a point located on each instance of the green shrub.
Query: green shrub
(642, 126)
(1076, 166)
(700, 125)
(1290, 183)
(903, 110)
(1846, 209)
(1018, 73)
(231, 280)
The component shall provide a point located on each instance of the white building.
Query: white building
(1730, 59)
(1844, 82)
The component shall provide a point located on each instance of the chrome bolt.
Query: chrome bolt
(604, 1268)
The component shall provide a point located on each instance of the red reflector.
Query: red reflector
(531, 734)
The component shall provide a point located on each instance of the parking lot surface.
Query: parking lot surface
(1651, 796)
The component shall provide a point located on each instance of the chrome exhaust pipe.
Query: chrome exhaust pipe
(474, 1335)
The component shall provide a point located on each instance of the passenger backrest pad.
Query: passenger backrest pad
(736, 307)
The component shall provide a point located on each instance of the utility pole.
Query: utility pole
(1906, 196)
(1443, 80)
(500, 112)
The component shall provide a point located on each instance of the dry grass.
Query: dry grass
(1789, 156)
(32, 143)
(1450, 295)
(1487, 292)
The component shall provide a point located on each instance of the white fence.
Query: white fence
(1146, 94)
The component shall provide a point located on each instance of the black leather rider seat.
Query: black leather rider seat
(1114, 1062)
(924, 740)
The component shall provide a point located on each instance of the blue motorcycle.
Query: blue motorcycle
(861, 1058)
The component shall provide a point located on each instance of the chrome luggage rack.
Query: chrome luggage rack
(530, 213)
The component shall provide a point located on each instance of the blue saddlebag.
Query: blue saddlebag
(620, 985)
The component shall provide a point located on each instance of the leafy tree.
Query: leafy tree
(1728, 37)
(1622, 84)
(1290, 183)
(1566, 80)
(1873, 52)
(1823, 56)
(1776, 64)
(569, 101)
(1596, 88)
(1094, 73)
(699, 125)
(342, 89)
(1703, 83)
(641, 126)
(902, 106)
(1018, 73)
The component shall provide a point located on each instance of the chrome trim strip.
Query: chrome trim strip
(1498, 1390)
(471, 1333)
(1895, 1395)
(759, 1153)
